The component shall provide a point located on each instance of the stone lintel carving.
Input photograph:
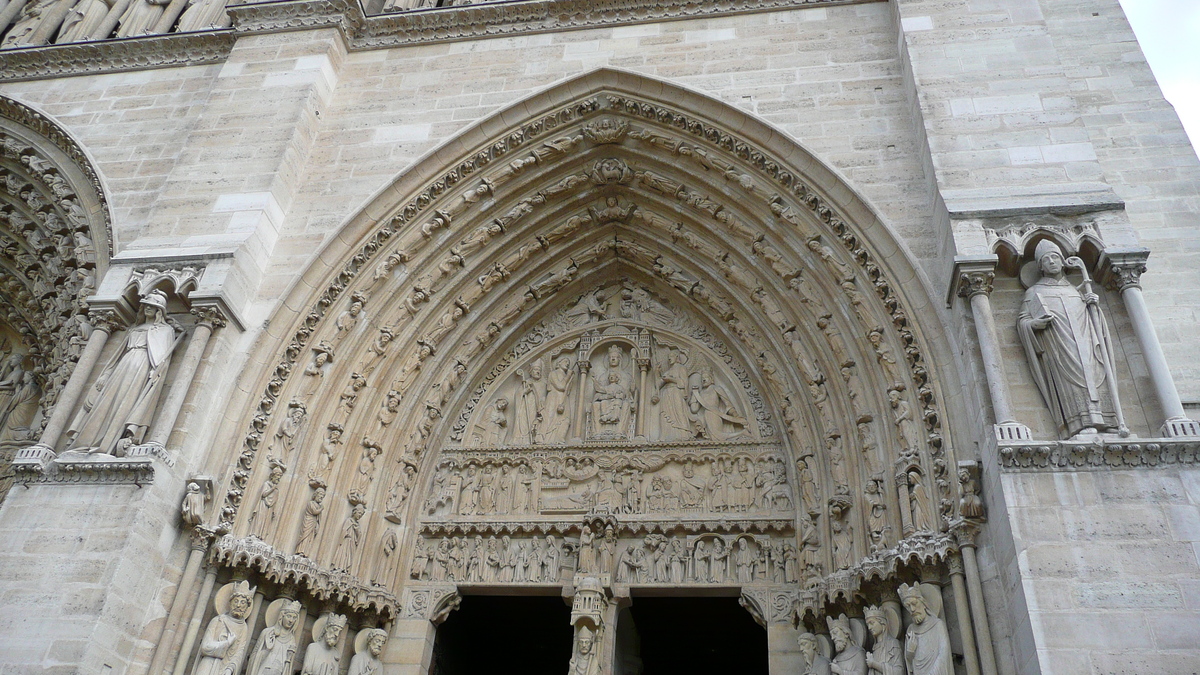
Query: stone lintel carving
(322, 583)
(1100, 454)
(626, 528)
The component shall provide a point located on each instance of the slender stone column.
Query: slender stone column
(975, 284)
(1124, 274)
(643, 368)
(10, 12)
(207, 318)
(962, 610)
(184, 594)
(104, 322)
(193, 629)
(51, 20)
(905, 503)
(580, 431)
(987, 655)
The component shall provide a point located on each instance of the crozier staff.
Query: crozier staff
(118, 410)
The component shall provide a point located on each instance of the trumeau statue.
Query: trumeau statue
(926, 643)
(1068, 348)
(223, 647)
(887, 655)
(585, 660)
(275, 650)
(322, 656)
(118, 410)
(368, 646)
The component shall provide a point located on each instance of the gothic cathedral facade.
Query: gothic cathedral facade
(328, 327)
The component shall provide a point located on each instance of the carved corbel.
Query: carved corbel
(431, 602)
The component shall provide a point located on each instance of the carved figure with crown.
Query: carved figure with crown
(223, 647)
(118, 410)
(927, 642)
(323, 656)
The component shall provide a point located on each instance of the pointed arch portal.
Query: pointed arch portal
(619, 337)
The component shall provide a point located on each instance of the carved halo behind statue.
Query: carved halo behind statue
(119, 408)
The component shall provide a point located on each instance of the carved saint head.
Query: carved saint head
(808, 646)
(914, 602)
(1049, 257)
(584, 642)
(241, 600)
(289, 615)
(614, 357)
(333, 629)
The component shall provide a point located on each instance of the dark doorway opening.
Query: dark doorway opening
(698, 636)
(503, 634)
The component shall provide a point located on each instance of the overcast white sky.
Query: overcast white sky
(1169, 32)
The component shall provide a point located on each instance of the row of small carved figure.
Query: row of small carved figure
(925, 649)
(506, 561)
(475, 490)
(43, 22)
(226, 644)
(657, 559)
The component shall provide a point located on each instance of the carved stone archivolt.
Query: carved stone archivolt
(617, 343)
(54, 240)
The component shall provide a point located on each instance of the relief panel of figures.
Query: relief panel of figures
(643, 486)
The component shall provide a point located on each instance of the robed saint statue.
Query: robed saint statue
(1068, 348)
(119, 408)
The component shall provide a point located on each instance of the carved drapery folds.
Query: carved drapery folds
(618, 342)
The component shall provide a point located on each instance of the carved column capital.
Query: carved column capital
(210, 315)
(201, 536)
(1121, 270)
(106, 319)
(1125, 275)
(954, 565)
(975, 282)
(965, 532)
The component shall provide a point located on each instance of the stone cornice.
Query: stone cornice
(1100, 454)
(115, 56)
(541, 16)
(472, 22)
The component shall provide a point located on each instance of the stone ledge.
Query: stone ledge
(38, 464)
(540, 16)
(115, 56)
(1100, 454)
(450, 24)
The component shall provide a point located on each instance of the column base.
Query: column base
(1012, 431)
(31, 461)
(151, 449)
(1180, 426)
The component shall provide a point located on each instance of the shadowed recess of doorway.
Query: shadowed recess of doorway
(697, 636)
(504, 634)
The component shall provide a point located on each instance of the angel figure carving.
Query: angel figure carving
(118, 410)
(714, 409)
(675, 418)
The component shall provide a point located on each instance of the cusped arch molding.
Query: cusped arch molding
(55, 239)
(595, 234)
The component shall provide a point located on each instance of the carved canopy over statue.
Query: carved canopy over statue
(121, 405)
